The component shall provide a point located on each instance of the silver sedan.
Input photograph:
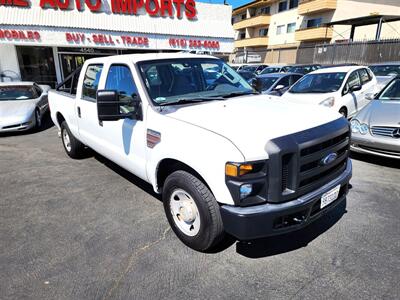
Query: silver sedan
(376, 128)
(22, 105)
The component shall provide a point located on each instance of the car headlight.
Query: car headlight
(357, 127)
(328, 102)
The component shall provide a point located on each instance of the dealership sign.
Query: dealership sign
(162, 8)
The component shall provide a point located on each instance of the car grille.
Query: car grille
(393, 132)
(296, 161)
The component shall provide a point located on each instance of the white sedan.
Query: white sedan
(342, 88)
(22, 105)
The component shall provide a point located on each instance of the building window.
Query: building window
(291, 27)
(282, 6)
(242, 35)
(293, 4)
(263, 32)
(314, 23)
(265, 10)
(243, 16)
(280, 29)
(37, 64)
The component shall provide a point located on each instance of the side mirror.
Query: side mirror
(355, 88)
(370, 96)
(109, 106)
(279, 87)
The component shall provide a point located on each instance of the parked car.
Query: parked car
(303, 69)
(248, 75)
(22, 105)
(384, 72)
(194, 142)
(376, 128)
(274, 69)
(256, 69)
(338, 65)
(340, 88)
(276, 83)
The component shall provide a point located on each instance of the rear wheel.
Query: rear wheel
(192, 211)
(72, 146)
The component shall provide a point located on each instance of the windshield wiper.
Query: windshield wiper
(236, 94)
(190, 100)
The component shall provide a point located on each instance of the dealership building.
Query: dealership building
(45, 40)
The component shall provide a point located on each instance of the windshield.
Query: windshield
(17, 92)
(267, 82)
(250, 68)
(392, 92)
(171, 81)
(319, 83)
(386, 70)
(270, 70)
(302, 69)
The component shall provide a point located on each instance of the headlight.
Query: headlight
(237, 169)
(328, 102)
(357, 127)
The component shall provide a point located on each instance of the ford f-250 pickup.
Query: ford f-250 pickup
(224, 159)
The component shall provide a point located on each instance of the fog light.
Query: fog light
(245, 190)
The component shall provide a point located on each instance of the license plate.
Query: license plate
(330, 196)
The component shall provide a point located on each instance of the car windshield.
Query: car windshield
(302, 69)
(270, 70)
(267, 82)
(16, 92)
(185, 80)
(386, 70)
(392, 91)
(250, 68)
(319, 83)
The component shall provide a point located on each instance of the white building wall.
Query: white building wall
(9, 62)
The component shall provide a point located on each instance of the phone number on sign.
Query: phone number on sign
(193, 43)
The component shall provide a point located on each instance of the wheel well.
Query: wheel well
(345, 110)
(168, 166)
(60, 118)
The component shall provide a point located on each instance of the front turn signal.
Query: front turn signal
(235, 170)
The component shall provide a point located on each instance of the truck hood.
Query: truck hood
(250, 122)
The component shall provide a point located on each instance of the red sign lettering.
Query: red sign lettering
(19, 35)
(21, 3)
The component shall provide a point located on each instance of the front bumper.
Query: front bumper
(246, 223)
(17, 127)
(381, 146)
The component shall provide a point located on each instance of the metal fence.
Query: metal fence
(363, 52)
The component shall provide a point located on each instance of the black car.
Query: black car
(275, 83)
(303, 69)
(248, 75)
(254, 68)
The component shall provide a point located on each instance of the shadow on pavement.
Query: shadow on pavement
(46, 124)
(377, 160)
(291, 241)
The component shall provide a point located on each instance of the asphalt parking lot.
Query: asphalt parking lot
(86, 229)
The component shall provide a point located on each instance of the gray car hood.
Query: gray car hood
(380, 113)
(16, 107)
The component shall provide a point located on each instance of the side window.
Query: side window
(364, 76)
(371, 75)
(38, 90)
(294, 79)
(120, 79)
(91, 82)
(284, 81)
(353, 80)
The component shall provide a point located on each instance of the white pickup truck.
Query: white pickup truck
(224, 159)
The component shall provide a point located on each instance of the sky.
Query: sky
(234, 3)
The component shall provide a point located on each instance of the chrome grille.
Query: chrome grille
(393, 132)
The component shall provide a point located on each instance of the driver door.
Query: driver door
(351, 99)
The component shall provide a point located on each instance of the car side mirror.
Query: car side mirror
(109, 106)
(370, 96)
(355, 88)
(279, 87)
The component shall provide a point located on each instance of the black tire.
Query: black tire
(343, 112)
(211, 230)
(75, 149)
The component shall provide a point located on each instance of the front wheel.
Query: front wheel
(72, 145)
(38, 119)
(192, 211)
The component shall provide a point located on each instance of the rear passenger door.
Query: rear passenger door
(86, 107)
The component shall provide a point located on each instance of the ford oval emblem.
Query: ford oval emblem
(331, 157)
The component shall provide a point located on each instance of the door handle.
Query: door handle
(79, 112)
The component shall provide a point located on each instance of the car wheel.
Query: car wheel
(343, 112)
(192, 211)
(72, 146)
(38, 119)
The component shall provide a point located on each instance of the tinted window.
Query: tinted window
(364, 76)
(319, 83)
(17, 92)
(91, 82)
(295, 78)
(392, 92)
(293, 3)
(353, 80)
(120, 78)
(314, 22)
(266, 82)
(386, 70)
(284, 81)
